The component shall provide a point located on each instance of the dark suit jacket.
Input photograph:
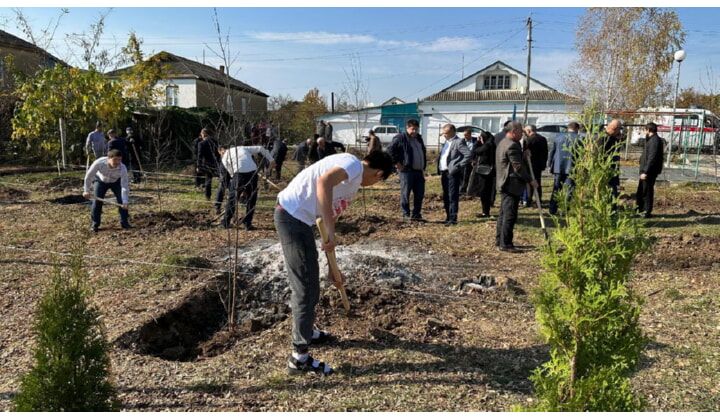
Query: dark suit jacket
(538, 147)
(651, 160)
(208, 157)
(510, 181)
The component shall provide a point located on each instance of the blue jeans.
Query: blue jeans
(301, 260)
(412, 181)
(100, 189)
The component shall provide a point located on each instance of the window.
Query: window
(380, 130)
(229, 103)
(392, 130)
(171, 96)
(495, 82)
(491, 124)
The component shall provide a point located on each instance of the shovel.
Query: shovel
(333, 265)
(118, 205)
(537, 200)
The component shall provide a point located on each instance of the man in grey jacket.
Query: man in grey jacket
(452, 161)
(95, 142)
(513, 173)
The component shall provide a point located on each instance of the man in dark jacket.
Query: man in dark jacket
(608, 142)
(208, 160)
(119, 143)
(560, 162)
(538, 147)
(651, 164)
(410, 158)
(513, 173)
(279, 152)
(135, 148)
(300, 155)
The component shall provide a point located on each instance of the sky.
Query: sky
(404, 52)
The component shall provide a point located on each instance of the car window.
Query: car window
(380, 130)
(392, 130)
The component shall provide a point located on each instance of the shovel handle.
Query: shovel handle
(333, 264)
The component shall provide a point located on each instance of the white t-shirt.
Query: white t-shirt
(300, 197)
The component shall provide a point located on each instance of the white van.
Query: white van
(384, 132)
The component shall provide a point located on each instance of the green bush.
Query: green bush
(72, 365)
(585, 311)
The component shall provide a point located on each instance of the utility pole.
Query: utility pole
(527, 79)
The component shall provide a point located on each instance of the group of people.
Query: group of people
(314, 149)
(322, 191)
(109, 171)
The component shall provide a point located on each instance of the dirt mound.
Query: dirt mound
(63, 183)
(9, 193)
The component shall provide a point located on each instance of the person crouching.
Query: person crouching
(108, 173)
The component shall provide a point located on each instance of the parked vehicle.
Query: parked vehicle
(692, 127)
(384, 132)
(476, 131)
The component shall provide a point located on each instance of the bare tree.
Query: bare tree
(356, 90)
(624, 54)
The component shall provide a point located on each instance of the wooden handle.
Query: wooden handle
(333, 264)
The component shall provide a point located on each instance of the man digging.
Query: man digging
(324, 189)
(108, 173)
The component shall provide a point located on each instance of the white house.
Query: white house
(487, 99)
(190, 84)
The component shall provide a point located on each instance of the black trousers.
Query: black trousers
(506, 220)
(248, 182)
(646, 194)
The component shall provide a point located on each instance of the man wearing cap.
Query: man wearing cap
(95, 142)
(134, 144)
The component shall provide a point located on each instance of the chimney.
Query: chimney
(222, 69)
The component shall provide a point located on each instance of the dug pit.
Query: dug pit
(197, 327)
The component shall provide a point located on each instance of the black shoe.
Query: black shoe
(250, 227)
(295, 367)
(94, 228)
(511, 250)
(418, 218)
(126, 226)
(646, 216)
(218, 211)
(450, 222)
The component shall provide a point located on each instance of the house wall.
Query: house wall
(437, 114)
(187, 92)
(213, 95)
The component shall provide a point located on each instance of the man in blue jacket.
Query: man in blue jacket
(560, 163)
(410, 158)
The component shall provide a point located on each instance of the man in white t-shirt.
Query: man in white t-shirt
(107, 173)
(324, 189)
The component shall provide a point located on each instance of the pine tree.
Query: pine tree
(585, 309)
(72, 365)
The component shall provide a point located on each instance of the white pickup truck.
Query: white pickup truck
(384, 132)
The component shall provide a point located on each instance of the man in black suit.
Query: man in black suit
(279, 152)
(538, 147)
(208, 160)
(651, 164)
